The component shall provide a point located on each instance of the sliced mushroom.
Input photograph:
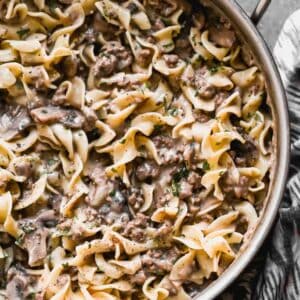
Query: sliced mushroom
(50, 114)
(14, 119)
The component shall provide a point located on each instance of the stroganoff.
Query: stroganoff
(136, 142)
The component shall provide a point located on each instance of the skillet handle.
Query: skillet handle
(260, 10)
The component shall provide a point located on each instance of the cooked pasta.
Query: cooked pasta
(136, 148)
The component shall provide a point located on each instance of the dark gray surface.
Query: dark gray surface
(274, 18)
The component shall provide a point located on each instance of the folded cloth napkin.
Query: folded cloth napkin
(275, 272)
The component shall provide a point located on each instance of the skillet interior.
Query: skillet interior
(251, 37)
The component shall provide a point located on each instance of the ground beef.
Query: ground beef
(112, 58)
(232, 188)
(220, 98)
(24, 168)
(163, 141)
(201, 116)
(164, 230)
(204, 88)
(244, 155)
(171, 60)
(135, 198)
(169, 152)
(194, 179)
(160, 261)
(138, 278)
(199, 20)
(100, 187)
(144, 57)
(105, 66)
(185, 190)
(135, 229)
(101, 26)
(163, 7)
(147, 170)
(183, 48)
(90, 118)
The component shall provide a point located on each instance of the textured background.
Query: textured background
(274, 18)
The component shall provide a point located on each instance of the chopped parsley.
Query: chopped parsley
(181, 174)
(23, 32)
(112, 193)
(206, 166)
(20, 239)
(250, 115)
(167, 22)
(175, 187)
(198, 62)
(165, 103)
(168, 45)
(173, 111)
(31, 296)
(123, 141)
(28, 227)
(52, 5)
(257, 117)
(194, 39)
(158, 127)
(51, 162)
(147, 85)
(214, 67)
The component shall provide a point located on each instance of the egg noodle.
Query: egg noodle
(136, 142)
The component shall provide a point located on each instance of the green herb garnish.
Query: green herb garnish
(158, 127)
(52, 5)
(206, 166)
(51, 162)
(31, 296)
(214, 67)
(168, 45)
(20, 239)
(167, 22)
(23, 32)
(173, 111)
(28, 227)
(175, 187)
(257, 117)
(181, 174)
(112, 193)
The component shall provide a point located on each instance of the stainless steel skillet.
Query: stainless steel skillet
(248, 33)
